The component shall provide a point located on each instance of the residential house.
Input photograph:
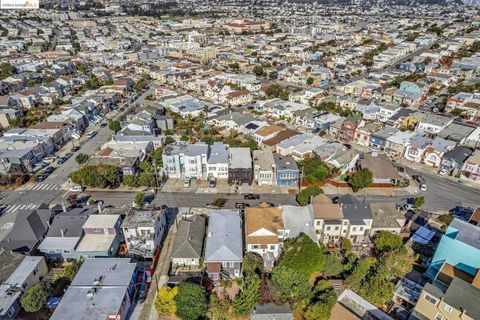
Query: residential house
(452, 295)
(240, 166)
(195, 161)
(398, 142)
(188, 244)
(387, 111)
(471, 167)
(383, 171)
(351, 306)
(27, 274)
(344, 129)
(102, 236)
(217, 162)
(144, 230)
(359, 216)
(102, 289)
(378, 139)
(271, 311)
(267, 132)
(344, 160)
(458, 247)
(307, 148)
(264, 233)
(457, 132)
(224, 247)
(433, 124)
(287, 173)
(185, 160)
(65, 233)
(263, 167)
(298, 221)
(386, 217)
(417, 147)
(23, 231)
(436, 150)
(279, 138)
(453, 160)
(363, 133)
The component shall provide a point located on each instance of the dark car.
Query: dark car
(62, 160)
(103, 125)
(68, 155)
(251, 196)
(75, 149)
(49, 170)
(241, 205)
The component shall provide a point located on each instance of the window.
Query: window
(328, 228)
(354, 228)
(448, 308)
(360, 229)
(430, 299)
(272, 247)
(438, 316)
(66, 251)
(96, 230)
(319, 222)
(254, 246)
(337, 228)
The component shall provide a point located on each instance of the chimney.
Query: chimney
(63, 233)
(99, 205)
(63, 207)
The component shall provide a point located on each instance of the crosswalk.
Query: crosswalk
(16, 207)
(43, 187)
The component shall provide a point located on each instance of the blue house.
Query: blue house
(286, 171)
(459, 247)
(378, 140)
(410, 87)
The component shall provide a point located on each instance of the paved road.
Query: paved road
(202, 199)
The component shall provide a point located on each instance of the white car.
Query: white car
(76, 189)
(49, 160)
(423, 187)
(443, 172)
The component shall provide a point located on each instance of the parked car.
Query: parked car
(103, 125)
(41, 177)
(212, 182)
(251, 196)
(49, 170)
(241, 205)
(62, 160)
(75, 149)
(423, 187)
(49, 159)
(76, 188)
(68, 155)
(443, 172)
(91, 134)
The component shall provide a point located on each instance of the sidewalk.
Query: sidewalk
(146, 310)
(222, 186)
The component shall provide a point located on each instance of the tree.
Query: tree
(244, 303)
(219, 202)
(81, 158)
(293, 287)
(165, 301)
(130, 181)
(35, 298)
(139, 199)
(360, 271)
(114, 126)
(258, 70)
(273, 75)
(304, 196)
(333, 266)
(168, 140)
(252, 265)
(140, 85)
(109, 81)
(322, 308)
(191, 301)
(310, 80)
(387, 241)
(184, 138)
(71, 270)
(303, 256)
(6, 70)
(218, 309)
(361, 179)
(419, 202)
(283, 95)
(393, 265)
(97, 176)
(147, 180)
(234, 66)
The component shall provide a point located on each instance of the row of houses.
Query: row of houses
(236, 165)
(264, 230)
(81, 233)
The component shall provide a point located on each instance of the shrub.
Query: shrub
(191, 301)
(304, 196)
